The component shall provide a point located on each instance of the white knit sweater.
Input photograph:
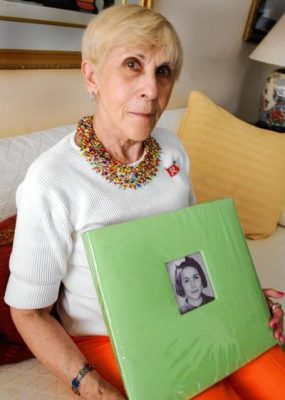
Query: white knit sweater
(60, 198)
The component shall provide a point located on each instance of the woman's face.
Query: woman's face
(191, 282)
(133, 87)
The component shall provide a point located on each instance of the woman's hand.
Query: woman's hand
(105, 391)
(276, 321)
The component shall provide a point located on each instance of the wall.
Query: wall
(216, 62)
(31, 100)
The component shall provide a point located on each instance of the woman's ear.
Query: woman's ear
(90, 76)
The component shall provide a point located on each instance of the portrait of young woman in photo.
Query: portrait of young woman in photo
(113, 168)
(190, 280)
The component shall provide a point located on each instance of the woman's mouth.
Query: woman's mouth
(143, 114)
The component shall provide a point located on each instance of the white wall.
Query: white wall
(17, 35)
(216, 62)
(32, 100)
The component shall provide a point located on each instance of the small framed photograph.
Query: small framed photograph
(143, 3)
(263, 15)
(190, 282)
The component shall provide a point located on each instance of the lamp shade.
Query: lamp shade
(271, 50)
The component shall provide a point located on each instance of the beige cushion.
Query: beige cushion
(231, 158)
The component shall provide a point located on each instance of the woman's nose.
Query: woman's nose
(149, 87)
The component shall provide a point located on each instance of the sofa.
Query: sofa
(223, 151)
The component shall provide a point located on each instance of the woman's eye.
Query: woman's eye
(133, 64)
(164, 71)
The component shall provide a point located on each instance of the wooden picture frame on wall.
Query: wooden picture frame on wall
(39, 59)
(263, 15)
(34, 14)
(17, 12)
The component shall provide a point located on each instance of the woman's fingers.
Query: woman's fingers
(276, 321)
(276, 294)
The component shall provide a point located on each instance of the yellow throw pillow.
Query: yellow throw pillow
(231, 158)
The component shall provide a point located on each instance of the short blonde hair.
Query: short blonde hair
(131, 25)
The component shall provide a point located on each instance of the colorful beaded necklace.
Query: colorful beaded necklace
(126, 177)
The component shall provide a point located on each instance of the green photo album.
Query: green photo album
(181, 299)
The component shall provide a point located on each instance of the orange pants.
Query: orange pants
(261, 379)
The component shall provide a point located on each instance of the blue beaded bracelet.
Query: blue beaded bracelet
(75, 383)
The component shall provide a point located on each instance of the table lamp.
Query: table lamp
(271, 50)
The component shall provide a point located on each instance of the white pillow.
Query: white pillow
(282, 218)
(170, 119)
(16, 155)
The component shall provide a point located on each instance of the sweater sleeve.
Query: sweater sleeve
(42, 245)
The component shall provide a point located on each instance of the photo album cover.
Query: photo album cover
(181, 299)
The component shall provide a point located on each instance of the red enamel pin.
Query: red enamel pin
(173, 169)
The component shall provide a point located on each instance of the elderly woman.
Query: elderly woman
(116, 167)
